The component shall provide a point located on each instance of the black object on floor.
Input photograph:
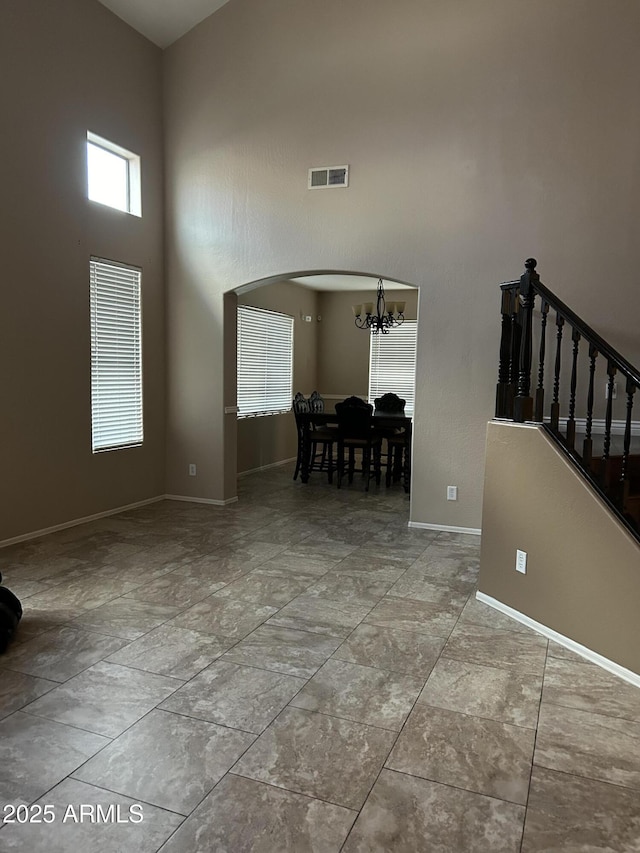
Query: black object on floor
(10, 615)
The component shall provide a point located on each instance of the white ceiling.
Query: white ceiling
(163, 21)
(327, 281)
(344, 281)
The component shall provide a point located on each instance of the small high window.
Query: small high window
(113, 175)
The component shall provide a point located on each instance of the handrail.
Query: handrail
(576, 322)
(615, 476)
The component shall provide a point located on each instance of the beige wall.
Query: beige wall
(465, 159)
(582, 575)
(65, 68)
(477, 134)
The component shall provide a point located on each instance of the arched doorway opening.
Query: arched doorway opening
(331, 354)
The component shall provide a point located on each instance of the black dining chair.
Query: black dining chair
(395, 439)
(321, 440)
(300, 407)
(355, 432)
(390, 404)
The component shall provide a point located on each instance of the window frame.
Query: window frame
(117, 402)
(133, 189)
(382, 382)
(264, 380)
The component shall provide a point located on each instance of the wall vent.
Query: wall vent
(328, 177)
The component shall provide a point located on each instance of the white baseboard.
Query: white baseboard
(76, 521)
(209, 501)
(550, 634)
(34, 534)
(445, 528)
(267, 467)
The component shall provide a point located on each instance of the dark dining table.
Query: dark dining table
(380, 420)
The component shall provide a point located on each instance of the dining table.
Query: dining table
(379, 420)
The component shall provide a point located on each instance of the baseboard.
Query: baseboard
(550, 634)
(209, 501)
(77, 521)
(445, 528)
(267, 467)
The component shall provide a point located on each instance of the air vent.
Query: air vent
(328, 177)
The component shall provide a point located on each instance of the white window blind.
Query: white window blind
(392, 363)
(116, 355)
(265, 362)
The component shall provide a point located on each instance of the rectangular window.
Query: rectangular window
(116, 355)
(265, 362)
(392, 363)
(113, 175)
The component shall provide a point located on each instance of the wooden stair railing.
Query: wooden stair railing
(527, 307)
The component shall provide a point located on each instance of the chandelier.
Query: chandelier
(385, 318)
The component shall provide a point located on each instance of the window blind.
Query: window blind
(265, 362)
(116, 355)
(392, 363)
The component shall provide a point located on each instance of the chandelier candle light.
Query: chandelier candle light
(385, 318)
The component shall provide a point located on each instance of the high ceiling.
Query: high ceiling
(163, 21)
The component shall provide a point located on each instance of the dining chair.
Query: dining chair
(300, 407)
(322, 438)
(390, 404)
(395, 439)
(356, 432)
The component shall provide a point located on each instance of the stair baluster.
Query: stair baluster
(611, 372)
(514, 354)
(571, 422)
(523, 403)
(555, 406)
(587, 444)
(624, 478)
(539, 407)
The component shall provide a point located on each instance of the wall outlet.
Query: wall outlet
(521, 562)
(614, 393)
(192, 470)
(452, 493)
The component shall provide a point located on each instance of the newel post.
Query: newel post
(504, 390)
(523, 402)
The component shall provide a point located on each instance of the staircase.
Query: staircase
(576, 396)
(608, 473)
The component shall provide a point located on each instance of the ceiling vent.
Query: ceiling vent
(328, 177)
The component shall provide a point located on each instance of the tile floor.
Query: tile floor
(296, 672)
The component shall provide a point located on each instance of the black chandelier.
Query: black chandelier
(385, 318)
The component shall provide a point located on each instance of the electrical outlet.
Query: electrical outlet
(452, 493)
(614, 392)
(192, 470)
(521, 562)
